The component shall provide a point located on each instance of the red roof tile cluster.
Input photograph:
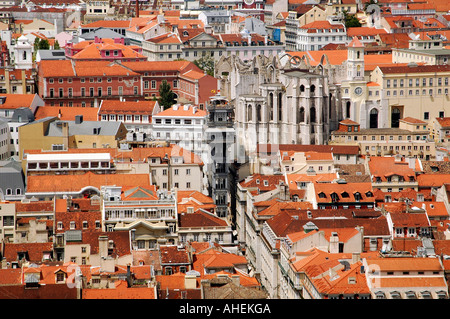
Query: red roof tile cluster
(173, 255)
(14, 101)
(386, 167)
(76, 183)
(120, 291)
(66, 113)
(263, 183)
(71, 68)
(126, 107)
(344, 193)
(200, 219)
(35, 251)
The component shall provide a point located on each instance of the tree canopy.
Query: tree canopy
(206, 63)
(166, 95)
(350, 20)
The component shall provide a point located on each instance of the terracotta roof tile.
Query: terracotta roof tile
(35, 251)
(66, 113)
(171, 254)
(385, 167)
(75, 183)
(126, 107)
(200, 219)
(120, 291)
(14, 101)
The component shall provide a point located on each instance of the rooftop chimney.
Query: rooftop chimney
(129, 280)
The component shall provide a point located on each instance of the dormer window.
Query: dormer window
(322, 195)
(334, 197)
(60, 277)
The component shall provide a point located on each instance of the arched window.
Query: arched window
(373, 118)
(258, 113)
(312, 89)
(301, 115)
(312, 115)
(348, 109)
(395, 117)
(249, 113)
(24, 55)
(302, 88)
(280, 107)
(271, 106)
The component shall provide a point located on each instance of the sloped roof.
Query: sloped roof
(75, 183)
(171, 254)
(126, 107)
(384, 167)
(120, 291)
(35, 250)
(66, 113)
(200, 219)
(14, 101)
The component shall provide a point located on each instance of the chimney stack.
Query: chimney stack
(129, 280)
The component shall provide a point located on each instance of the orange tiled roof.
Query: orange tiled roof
(66, 113)
(432, 180)
(340, 284)
(214, 259)
(120, 291)
(14, 101)
(126, 107)
(355, 43)
(75, 183)
(443, 121)
(364, 31)
(433, 209)
(165, 38)
(410, 220)
(35, 250)
(412, 120)
(11, 276)
(350, 188)
(70, 68)
(200, 219)
(293, 179)
(171, 254)
(194, 74)
(148, 66)
(407, 281)
(406, 263)
(384, 167)
(93, 51)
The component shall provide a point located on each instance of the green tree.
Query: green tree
(44, 45)
(350, 20)
(166, 95)
(206, 63)
(56, 45)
